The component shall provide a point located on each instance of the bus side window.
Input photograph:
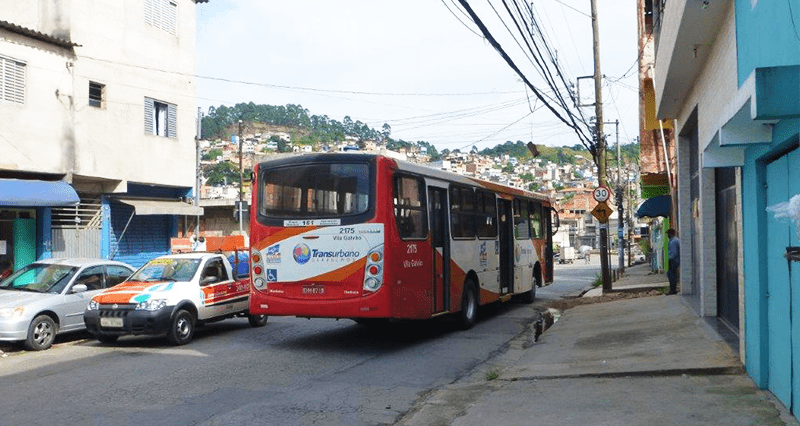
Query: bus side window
(535, 213)
(521, 225)
(462, 212)
(410, 211)
(486, 217)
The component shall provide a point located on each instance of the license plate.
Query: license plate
(313, 290)
(110, 322)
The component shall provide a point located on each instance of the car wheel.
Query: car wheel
(41, 333)
(469, 305)
(181, 329)
(258, 320)
(106, 338)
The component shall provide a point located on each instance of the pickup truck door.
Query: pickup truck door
(220, 296)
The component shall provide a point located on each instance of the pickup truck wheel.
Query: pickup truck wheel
(106, 338)
(181, 329)
(258, 320)
(41, 333)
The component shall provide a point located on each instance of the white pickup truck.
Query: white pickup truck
(171, 295)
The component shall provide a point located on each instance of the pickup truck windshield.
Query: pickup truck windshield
(167, 270)
(314, 190)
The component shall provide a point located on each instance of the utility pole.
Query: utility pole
(198, 172)
(241, 179)
(600, 159)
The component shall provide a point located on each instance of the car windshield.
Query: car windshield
(167, 270)
(40, 278)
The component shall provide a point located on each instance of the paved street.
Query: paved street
(292, 371)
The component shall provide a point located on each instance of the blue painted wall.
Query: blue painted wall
(786, 134)
(767, 34)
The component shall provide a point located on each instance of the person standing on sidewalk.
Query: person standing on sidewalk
(674, 260)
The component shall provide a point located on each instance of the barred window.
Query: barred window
(160, 118)
(12, 80)
(162, 14)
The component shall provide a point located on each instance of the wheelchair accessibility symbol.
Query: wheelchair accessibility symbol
(272, 275)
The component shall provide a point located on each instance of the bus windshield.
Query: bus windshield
(314, 190)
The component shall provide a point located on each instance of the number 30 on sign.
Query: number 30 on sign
(601, 194)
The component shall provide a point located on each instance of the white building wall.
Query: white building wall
(133, 60)
(715, 96)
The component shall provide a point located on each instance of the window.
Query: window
(12, 80)
(410, 208)
(521, 224)
(314, 191)
(535, 215)
(160, 118)
(97, 94)
(162, 14)
(92, 278)
(215, 269)
(116, 274)
(462, 212)
(486, 219)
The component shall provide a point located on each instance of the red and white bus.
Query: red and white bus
(367, 237)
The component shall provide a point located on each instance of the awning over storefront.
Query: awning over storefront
(37, 193)
(655, 207)
(153, 207)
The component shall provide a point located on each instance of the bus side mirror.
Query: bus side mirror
(556, 222)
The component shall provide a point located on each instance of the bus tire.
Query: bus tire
(530, 296)
(469, 305)
(181, 328)
(257, 320)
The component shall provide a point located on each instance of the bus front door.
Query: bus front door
(506, 245)
(440, 237)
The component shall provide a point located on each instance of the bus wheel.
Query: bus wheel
(182, 328)
(257, 320)
(469, 305)
(530, 296)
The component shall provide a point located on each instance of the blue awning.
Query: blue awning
(36, 193)
(655, 207)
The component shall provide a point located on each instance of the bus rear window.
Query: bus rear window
(314, 190)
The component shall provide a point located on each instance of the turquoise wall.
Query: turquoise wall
(754, 245)
(767, 34)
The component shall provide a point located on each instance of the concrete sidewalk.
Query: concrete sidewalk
(642, 361)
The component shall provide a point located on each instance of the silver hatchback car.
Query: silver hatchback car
(49, 297)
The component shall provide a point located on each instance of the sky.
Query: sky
(418, 65)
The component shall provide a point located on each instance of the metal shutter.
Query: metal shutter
(149, 116)
(172, 121)
(12, 80)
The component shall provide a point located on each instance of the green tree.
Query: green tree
(221, 173)
(212, 154)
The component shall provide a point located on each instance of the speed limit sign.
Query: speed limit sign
(601, 194)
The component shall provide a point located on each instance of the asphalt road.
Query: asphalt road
(290, 372)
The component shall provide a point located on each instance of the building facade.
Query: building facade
(729, 73)
(97, 99)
